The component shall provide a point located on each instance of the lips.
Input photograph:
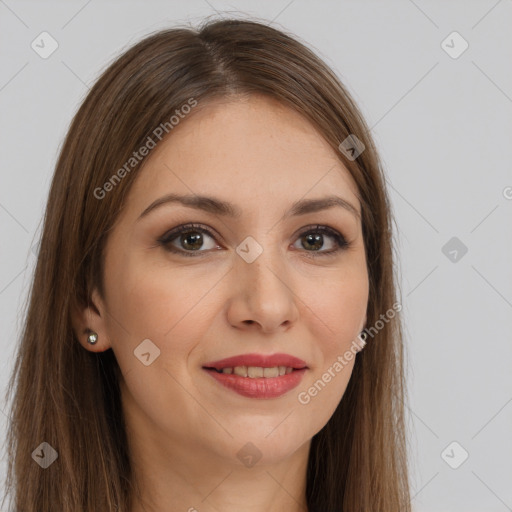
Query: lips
(256, 376)
(260, 360)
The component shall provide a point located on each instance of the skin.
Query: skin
(184, 428)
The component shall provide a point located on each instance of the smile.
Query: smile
(258, 386)
(253, 372)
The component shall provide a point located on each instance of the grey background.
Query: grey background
(443, 127)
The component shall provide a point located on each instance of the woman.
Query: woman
(217, 246)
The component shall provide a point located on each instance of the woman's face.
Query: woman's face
(262, 276)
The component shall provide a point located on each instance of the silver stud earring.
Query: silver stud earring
(363, 336)
(92, 338)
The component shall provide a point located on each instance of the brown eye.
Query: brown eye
(314, 240)
(191, 240)
(196, 240)
(188, 239)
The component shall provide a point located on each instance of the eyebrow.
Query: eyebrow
(226, 209)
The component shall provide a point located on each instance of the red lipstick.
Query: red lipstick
(264, 360)
(258, 387)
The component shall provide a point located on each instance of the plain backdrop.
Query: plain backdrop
(442, 120)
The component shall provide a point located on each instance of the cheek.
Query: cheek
(337, 306)
(165, 305)
(336, 312)
(318, 398)
(172, 309)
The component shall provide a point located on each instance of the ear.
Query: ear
(92, 318)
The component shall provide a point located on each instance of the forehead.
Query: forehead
(243, 150)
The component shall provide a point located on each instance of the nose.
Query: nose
(262, 295)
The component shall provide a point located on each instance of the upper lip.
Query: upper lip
(261, 360)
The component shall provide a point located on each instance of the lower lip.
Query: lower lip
(259, 387)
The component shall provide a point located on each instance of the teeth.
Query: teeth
(271, 372)
(254, 372)
(240, 370)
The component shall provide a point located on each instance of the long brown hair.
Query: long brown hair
(69, 397)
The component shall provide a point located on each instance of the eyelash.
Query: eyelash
(168, 237)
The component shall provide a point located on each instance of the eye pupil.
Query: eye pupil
(197, 240)
(188, 239)
(312, 239)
